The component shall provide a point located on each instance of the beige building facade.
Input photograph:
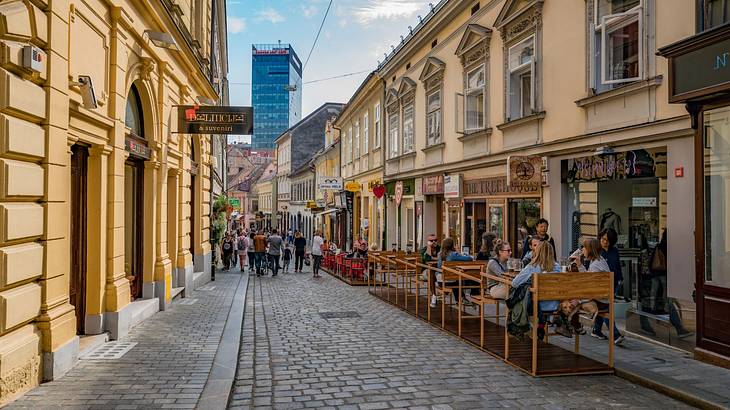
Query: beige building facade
(574, 94)
(105, 207)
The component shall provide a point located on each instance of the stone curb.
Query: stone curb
(217, 390)
(670, 388)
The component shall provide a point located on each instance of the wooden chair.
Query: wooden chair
(484, 299)
(451, 282)
(405, 269)
(567, 286)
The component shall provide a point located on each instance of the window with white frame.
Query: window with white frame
(349, 145)
(408, 129)
(521, 82)
(366, 133)
(474, 99)
(376, 124)
(433, 118)
(393, 125)
(617, 42)
(356, 141)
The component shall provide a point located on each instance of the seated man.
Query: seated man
(429, 253)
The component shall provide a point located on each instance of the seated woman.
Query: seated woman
(542, 261)
(448, 253)
(533, 242)
(497, 266)
(596, 263)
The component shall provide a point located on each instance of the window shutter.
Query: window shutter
(460, 113)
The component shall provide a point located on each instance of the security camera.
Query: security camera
(87, 91)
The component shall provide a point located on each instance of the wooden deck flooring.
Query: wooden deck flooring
(553, 360)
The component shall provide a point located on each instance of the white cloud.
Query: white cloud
(309, 11)
(271, 15)
(386, 9)
(236, 24)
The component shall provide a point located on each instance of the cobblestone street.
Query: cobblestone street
(167, 368)
(293, 356)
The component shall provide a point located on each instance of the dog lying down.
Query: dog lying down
(571, 307)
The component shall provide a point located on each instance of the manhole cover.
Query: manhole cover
(109, 351)
(339, 315)
(187, 301)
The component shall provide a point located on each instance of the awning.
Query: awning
(329, 211)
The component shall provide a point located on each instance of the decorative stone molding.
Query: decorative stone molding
(474, 45)
(20, 378)
(148, 66)
(512, 25)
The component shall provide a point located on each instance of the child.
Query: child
(287, 256)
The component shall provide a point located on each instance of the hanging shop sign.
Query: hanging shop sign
(136, 148)
(234, 202)
(398, 192)
(352, 186)
(620, 165)
(378, 191)
(211, 119)
(329, 183)
(524, 172)
(349, 199)
(433, 185)
(373, 183)
(311, 204)
(452, 186)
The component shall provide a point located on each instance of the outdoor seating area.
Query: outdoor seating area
(404, 281)
(352, 271)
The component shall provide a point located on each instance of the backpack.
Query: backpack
(242, 244)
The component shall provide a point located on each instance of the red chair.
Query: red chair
(357, 268)
(340, 264)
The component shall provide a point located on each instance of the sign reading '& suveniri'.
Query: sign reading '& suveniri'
(214, 120)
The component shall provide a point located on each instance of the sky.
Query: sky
(353, 39)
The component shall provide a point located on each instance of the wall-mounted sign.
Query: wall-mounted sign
(524, 171)
(452, 186)
(234, 202)
(214, 120)
(621, 165)
(329, 183)
(398, 192)
(352, 187)
(373, 183)
(136, 148)
(644, 202)
(311, 204)
(433, 185)
(379, 191)
(497, 186)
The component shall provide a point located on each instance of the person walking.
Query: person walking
(260, 248)
(234, 254)
(251, 252)
(227, 247)
(242, 247)
(300, 245)
(275, 242)
(286, 256)
(317, 242)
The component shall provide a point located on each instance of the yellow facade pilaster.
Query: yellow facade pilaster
(96, 230)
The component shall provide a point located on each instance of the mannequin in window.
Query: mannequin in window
(610, 219)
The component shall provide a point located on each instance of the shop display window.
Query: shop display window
(717, 196)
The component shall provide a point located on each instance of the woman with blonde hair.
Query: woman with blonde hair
(543, 260)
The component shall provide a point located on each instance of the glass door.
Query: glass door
(713, 279)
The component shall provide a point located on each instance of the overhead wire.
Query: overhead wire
(317, 80)
(318, 32)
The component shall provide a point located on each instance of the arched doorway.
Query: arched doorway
(136, 146)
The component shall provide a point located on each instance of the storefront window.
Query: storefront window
(525, 214)
(496, 220)
(717, 196)
(454, 215)
(475, 224)
(621, 191)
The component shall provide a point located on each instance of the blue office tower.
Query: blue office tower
(277, 92)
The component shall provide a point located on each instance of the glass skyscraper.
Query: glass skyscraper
(277, 92)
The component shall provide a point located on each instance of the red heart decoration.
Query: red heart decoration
(379, 191)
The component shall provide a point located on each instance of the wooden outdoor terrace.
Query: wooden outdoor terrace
(396, 278)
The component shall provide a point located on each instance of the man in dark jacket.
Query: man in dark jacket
(541, 229)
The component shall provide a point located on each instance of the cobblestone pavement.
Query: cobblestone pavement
(292, 357)
(166, 369)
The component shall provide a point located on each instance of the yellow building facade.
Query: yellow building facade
(104, 206)
(361, 128)
(326, 165)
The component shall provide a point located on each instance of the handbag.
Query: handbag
(307, 261)
(659, 261)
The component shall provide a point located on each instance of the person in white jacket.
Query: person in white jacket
(317, 242)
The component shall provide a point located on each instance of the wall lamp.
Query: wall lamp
(161, 39)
